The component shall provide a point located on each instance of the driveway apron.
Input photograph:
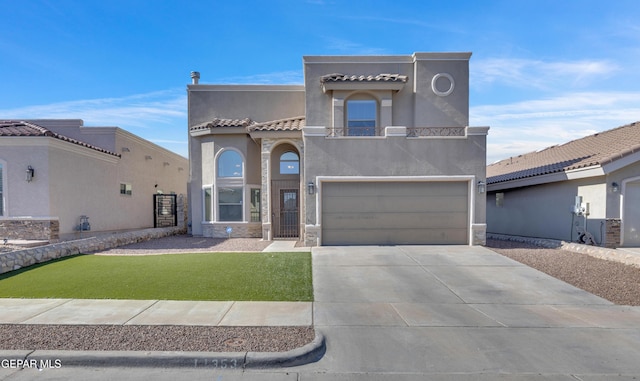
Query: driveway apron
(459, 312)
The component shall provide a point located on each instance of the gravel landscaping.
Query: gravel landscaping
(616, 282)
(153, 338)
(187, 244)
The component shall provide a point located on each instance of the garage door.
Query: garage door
(395, 213)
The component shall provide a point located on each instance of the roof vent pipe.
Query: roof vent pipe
(195, 77)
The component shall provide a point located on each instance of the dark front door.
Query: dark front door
(288, 214)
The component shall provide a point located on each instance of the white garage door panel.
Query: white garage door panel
(395, 213)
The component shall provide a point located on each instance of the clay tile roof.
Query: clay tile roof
(337, 77)
(288, 124)
(21, 128)
(220, 122)
(594, 150)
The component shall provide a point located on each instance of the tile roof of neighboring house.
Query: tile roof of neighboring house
(288, 124)
(337, 77)
(594, 150)
(21, 129)
(220, 122)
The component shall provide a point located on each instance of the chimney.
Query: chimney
(195, 77)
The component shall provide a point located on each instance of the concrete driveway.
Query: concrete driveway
(461, 313)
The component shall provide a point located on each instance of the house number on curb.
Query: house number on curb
(216, 363)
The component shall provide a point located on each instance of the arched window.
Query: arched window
(361, 117)
(230, 164)
(289, 163)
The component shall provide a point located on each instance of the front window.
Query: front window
(289, 163)
(361, 117)
(230, 164)
(230, 186)
(125, 189)
(255, 205)
(229, 204)
(208, 197)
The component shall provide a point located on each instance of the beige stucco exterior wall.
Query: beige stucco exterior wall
(415, 105)
(24, 199)
(544, 210)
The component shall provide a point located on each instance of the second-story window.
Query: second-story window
(361, 117)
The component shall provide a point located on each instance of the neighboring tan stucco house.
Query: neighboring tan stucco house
(370, 150)
(52, 172)
(535, 194)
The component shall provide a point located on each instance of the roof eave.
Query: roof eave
(218, 131)
(276, 134)
(372, 85)
(574, 174)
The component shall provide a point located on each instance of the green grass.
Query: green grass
(210, 276)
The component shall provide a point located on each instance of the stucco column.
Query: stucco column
(265, 197)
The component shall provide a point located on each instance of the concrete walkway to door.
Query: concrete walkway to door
(461, 313)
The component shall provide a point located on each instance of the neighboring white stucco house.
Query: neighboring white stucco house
(52, 172)
(369, 150)
(535, 194)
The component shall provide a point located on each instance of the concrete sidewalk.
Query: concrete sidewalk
(154, 312)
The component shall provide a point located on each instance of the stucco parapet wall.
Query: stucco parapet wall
(400, 131)
(21, 258)
(471, 131)
(614, 255)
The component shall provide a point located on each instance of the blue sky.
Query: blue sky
(542, 72)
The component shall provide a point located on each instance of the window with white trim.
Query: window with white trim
(229, 204)
(230, 164)
(207, 196)
(230, 186)
(256, 211)
(361, 117)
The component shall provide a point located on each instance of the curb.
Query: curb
(306, 354)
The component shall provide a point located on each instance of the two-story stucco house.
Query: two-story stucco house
(370, 150)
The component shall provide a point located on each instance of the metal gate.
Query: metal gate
(165, 211)
(285, 206)
(288, 214)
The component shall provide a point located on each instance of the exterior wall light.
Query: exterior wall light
(311, 187)
(615, 187)
(30, 173)
(482, 186)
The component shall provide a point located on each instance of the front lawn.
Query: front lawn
(203, 276)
